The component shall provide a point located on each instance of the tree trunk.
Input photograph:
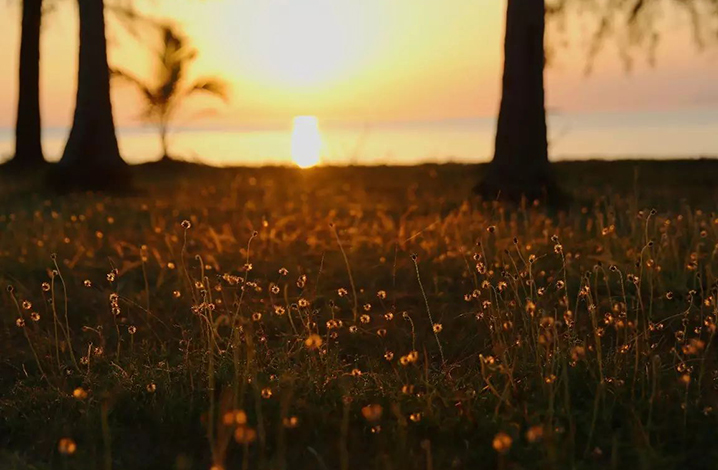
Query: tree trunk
(163, 140)
(92, 158)
(520, 168)
(28, 144)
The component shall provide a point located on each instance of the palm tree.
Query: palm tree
(28, 145)
(164, 96)
(92, 158)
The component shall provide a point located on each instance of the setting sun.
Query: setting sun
(306, 141)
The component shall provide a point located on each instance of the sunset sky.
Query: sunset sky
(348, 60)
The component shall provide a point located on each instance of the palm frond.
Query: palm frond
(147, 92)
(212, 86)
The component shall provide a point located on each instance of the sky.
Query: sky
(357, 61)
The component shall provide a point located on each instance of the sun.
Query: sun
(296, 43)
(306, 141)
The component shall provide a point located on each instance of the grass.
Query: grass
(354, 318)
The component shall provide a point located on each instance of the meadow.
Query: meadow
(360, 318)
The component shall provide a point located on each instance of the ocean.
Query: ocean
(687, 133)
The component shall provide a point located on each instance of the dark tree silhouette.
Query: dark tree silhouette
(28, 145)
(520, 167)
(92, 158)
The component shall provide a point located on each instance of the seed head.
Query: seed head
(66, 446)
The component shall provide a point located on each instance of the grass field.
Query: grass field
(361, 318)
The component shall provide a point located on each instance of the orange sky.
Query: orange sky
(372, 60)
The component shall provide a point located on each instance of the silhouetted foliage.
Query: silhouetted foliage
(520, 167)
(164, 95)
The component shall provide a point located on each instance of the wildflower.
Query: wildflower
(79, 393)
(388, 316)
(381, 294)
(171, 265)
(534, 434)
(176, 294)
(372, 413)
(694, 347)
(290, 422)
(301, 282)
(365, 318)
(353, 329)
(313, 341)
(437, 328)
(303, 303)
(502, 443)
(66, 446)
(34, 316)
(245, 435)
(341, 292)
(111, 277)
(415, 417)
(132, 329)
(388, 355)
(577, 353)
(356, 372)
(367, 307)
(381, 332)
(20, 323)
(279, 310)
(283, 271)
(274, 289)
(26, 305)
(256, 316)
(238, 417)
(151, 387)
(186, 224)
(266, 393)
(228, 418)
(87, 283)
(45, 286)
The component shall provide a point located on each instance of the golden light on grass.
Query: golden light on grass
(306, 141)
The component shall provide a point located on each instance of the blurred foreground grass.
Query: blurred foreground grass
(275, 318)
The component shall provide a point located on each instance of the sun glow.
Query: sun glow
(305, 43)
(306, 141)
